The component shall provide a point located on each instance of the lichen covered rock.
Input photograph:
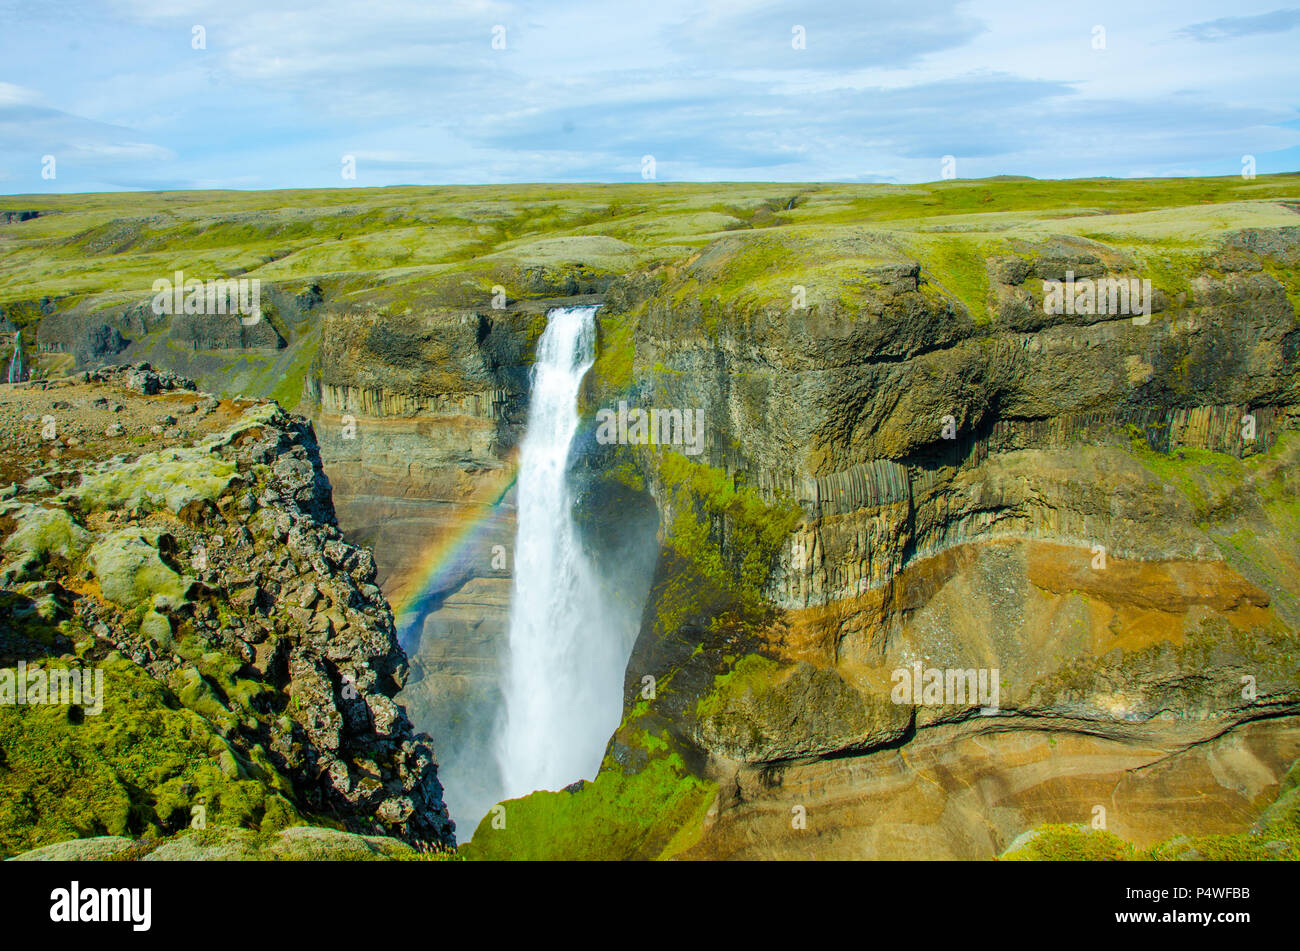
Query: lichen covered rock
(178, 576)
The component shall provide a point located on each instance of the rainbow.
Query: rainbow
(436, 563)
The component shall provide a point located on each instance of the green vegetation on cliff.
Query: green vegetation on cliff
(1072, 843)
(646, 814)
(139, 767)
(611, 373)
(417, 250)
(720, 544)
(1275, 836)
(1249, 506)
(705, 278)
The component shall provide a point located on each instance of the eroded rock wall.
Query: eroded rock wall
(1099, 508)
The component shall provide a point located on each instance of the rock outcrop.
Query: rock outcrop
(294, 844)
(249, 660)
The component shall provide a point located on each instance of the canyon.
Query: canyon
(906, 458)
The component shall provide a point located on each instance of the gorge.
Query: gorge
(922, 465)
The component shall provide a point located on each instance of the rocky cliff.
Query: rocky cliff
(922, 471)
(912, 462)
(185, 550)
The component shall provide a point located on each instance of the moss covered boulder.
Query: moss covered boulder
(46, 531)
(172, 478)
(130, 570)
(144, 763)
(295, 844)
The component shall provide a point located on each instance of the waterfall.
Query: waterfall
(563, 684)
(18, 365)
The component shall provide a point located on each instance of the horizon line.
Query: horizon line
(1003, 177)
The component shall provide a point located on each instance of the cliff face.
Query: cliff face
(919, 466)
(910, 465)
(419, 417)
(185, 549)
(1097, 511)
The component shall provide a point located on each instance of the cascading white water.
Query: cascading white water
(564, 676)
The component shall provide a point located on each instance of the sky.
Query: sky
(174, 94)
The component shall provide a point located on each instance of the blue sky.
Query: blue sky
(584, 89)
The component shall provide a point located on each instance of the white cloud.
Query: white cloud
(585, 87)
(121, 151)
(12, 95)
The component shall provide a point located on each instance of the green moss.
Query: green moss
(1243, 505)
(130, 570)
(288, 390)
(45, 531)
(197, 695)
(958, 265)
(752, 675)
(625, 471)
(720, 545)
(1205, 476)
(1274, 837)
(1067, 843)
(1290, 281)
(763, 271)
(171, 478)
(611, 373)
(156, 628)
(1192, 471)
(1170, 268)
(1081, 844)
(138, 767)
(757, 263)
(651, 814)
